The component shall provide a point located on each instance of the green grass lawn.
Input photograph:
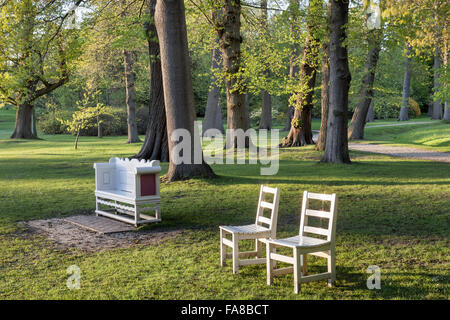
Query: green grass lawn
(393, 213)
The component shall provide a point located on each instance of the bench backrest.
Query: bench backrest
(268, 221)
(330, 232)
(137, 178)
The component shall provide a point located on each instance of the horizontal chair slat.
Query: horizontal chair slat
(267, 205)
(317, 213)
(248, 262)
(277, 272)
(279, 257)
(227, 242)
(323, 232)
(320, 196)
(315, 277)
(264, 220)
(269, 190)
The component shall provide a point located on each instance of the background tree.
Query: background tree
(155, 146)
(374, 36)
(336, 146)
(178, 94)
(300, 133)
(36, 54)
(266, 112)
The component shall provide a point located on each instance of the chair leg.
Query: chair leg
(235, 254)
(332, 267)
(223, 249)
(269, 263)
(297, 273)
(304, 265)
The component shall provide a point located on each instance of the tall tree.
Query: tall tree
(325, 93)
(336, 146)
(213, 111)
(155, 146)
(300, 133)
(295, 49)
(406, 85)
(170, 24)
(358, 122)
(130, 94)
(437, 104)
(266, 112)
(228, 27)
(35, 56)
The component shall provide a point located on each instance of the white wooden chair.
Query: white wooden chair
(302, 245)
(262, 229)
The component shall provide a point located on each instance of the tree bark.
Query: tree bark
(293, 64)
(213, 110)
(155, 146)
(370, 114)
(437, 105)
(24, 122)
(300, 133)
(325, 85)
(128, 61)
(266, 112)
(228, 30)
(336, 146)
(406, 86)
(170, 24)
(320, 146)
(358, 122)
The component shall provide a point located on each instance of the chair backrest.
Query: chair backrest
(330, 232)
(268, 222)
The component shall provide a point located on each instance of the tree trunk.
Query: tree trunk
(437, 105)
(266, 112)
(99, 128)
(155, 146)
(320, 146)
(24, 122)
(229, 25)
(300, 133)
(293, 63)
(336, 146)
(325, 92)
(446, 107)
(34, 123)
(170, 24)
(370, 114)
(212, 106)
(219, 119)
(406, 86)
(356, 129)
(128, 61)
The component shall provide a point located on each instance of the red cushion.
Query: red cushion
(148, 185)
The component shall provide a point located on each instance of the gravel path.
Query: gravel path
(404, 152)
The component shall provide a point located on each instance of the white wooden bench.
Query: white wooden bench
(125, 188)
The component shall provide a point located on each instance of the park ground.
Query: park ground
(393, 213)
